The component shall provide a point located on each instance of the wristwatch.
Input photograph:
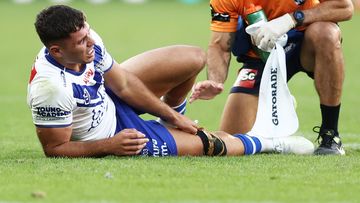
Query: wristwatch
(299, 17)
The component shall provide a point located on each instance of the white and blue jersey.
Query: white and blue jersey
(60, 97)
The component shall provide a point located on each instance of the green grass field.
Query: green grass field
(131, 29)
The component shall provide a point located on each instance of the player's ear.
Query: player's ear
(55, 50)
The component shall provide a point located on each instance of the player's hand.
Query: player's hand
(269, 32)
(128, 142)
(206, 90)
(184, 123)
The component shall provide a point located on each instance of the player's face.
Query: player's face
(79, 48)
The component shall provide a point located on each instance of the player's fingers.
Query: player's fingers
(134, 142)
(129, 131)
(196, 126)
(208, 85)
(193, 124)
(133, 134)
(192, 128)
(138, 151)
(195, 94)
(219, 88)
(130, 135)
(205, 88)
(192, 98)
(198, 86)
(131, 153)
(134, 148)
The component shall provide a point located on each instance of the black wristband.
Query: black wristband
(299, 17)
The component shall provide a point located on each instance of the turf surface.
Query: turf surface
(27, 176)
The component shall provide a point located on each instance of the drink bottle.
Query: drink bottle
(253, 15)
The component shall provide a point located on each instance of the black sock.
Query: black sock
(330, 117)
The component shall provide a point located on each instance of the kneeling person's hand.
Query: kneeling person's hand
(267, 34)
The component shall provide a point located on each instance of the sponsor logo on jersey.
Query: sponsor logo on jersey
(88, 75)
(87, 97)
(246, 78)
(299, 2)
(215, 16)
(98, 114)
(51, 113)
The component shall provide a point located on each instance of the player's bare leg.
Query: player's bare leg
(239, 113)
(221, 144)
(189, 144)
(322, 54)
(169, 71)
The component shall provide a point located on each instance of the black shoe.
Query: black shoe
(330, 142)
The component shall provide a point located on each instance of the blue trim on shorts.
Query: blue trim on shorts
(161, 142)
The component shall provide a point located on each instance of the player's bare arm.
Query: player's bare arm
(132, 90)
(219, 55)
(56, 143)
(329, 10)
(218, 59)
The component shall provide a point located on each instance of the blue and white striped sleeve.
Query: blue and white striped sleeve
(103, 60)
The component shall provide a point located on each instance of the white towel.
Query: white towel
(276, 115)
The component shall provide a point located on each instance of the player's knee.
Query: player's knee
(213, 144)
(199, 58)
(325, 35)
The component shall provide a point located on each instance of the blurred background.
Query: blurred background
(356, 2)
(107, 1)
(129, 27)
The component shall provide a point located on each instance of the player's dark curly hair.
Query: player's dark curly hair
(58, 22)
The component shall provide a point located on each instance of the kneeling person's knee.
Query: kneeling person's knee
(324, 33)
